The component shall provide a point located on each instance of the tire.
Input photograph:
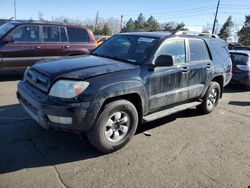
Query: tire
(211, 98)
(114, 127)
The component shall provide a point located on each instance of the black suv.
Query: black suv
(131, 78)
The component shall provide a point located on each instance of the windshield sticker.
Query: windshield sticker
(144, 39)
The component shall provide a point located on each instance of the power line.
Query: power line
(166, 12)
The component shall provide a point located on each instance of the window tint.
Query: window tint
(77, 35)
(196, 50)
(51, 34)
(26, 34)
(175, 48)
(63, 35)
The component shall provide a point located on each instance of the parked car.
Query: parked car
(241, 67)
(23, 43)
(100, 39)
(131, 78)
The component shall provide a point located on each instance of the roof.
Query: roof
(240, 51)
(148, 34)
(40, 22)
(161, 34)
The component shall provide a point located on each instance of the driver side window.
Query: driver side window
(26, 34)
(175, 48)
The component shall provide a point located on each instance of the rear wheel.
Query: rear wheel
(114, 127)
(211, 98)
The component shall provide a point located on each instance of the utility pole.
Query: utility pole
(96, 19)
(15, 9)
(215, 18)
(121, 24)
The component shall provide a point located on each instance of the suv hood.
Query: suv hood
(80, 67)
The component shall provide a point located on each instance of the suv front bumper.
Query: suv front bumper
(39, 106)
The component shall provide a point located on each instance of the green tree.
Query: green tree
(226, 29)
(168, 27)
(140, 23)
(152, 24)
(98, 30)
(180, 27)
(244, 33)
(172, 26)
(91, 27)
(130, 26)
(106, 30)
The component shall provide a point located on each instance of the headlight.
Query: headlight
(68, 89)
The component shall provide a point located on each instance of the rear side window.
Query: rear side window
(206, 53)
(51, 34)
(196, 50)
(78, 35)
(175, 48)
(26, 34)
(239, 58)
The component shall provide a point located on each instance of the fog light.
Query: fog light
(60, 120)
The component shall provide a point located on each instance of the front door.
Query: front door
(168, 85)
(24, 51)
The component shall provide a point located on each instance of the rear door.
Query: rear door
(54, 42)
(79, 41)
(24, 51)
(199, 65)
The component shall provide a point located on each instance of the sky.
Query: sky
(191, 12)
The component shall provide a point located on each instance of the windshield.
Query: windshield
(127, 48)
(5, 28)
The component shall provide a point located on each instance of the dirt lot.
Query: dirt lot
(184, 150)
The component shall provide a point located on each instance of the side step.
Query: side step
(163, 113)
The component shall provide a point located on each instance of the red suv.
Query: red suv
(23, 43)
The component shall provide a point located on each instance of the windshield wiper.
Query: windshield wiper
(115, 58)
(121, 59)
(99, 55)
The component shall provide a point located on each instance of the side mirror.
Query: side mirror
(9, 39)
(164, 61)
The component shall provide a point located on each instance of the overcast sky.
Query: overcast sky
(191, 12)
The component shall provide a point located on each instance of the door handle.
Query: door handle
(36, 47)
(184, 69)
(67, 46)
(208, 65)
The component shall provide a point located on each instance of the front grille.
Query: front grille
(37, 80)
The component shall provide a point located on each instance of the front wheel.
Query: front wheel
(114, 127)
(211, 98)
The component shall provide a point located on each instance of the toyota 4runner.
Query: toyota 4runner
(131, 78)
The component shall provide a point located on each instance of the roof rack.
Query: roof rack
(194, 33)
(45, 22)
